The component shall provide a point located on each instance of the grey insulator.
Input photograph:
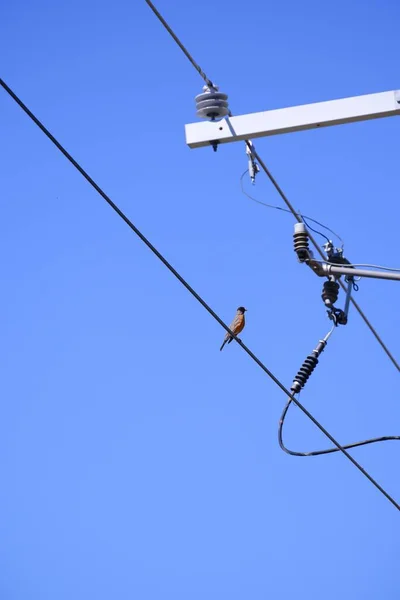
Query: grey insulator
(300, 240)
(212, 104)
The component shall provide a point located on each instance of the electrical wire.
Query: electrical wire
(386, 438)
(286, 210)
(274, 183)
(193, 292)
(303, 218)
(328, 450)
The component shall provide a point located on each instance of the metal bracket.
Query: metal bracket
(324, 270)
(253, 166)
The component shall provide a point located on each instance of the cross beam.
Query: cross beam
(294, 118)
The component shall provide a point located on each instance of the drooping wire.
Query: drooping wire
(328, 450)
(193, 292)
(303, 218)
(286, 210)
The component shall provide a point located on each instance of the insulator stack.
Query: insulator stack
(300, 241)
(212, 104)
(330, 293)
(304, 373)
(308, 366)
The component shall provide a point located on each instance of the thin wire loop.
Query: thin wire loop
(303, 218)
(386, 438)
(286, 210)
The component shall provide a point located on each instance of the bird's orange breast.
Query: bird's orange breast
(238, 324)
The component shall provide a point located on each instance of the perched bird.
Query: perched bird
(236, 326)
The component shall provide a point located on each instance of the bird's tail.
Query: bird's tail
(228, 338)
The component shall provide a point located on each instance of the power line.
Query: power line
(385, 438)
(274, 183)
(181, 46)
(191, 290)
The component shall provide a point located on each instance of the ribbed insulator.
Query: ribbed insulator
(304, 373)
(212, 104)
(330, 292)
(300, 242)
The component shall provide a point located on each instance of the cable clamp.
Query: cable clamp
(253, 166)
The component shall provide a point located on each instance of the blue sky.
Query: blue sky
(137, 460)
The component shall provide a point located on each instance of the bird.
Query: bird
(236, 326)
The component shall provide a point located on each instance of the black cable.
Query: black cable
(192, 291)
(329, 450)
(302, 376)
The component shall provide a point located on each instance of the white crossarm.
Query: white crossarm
(294, 118)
